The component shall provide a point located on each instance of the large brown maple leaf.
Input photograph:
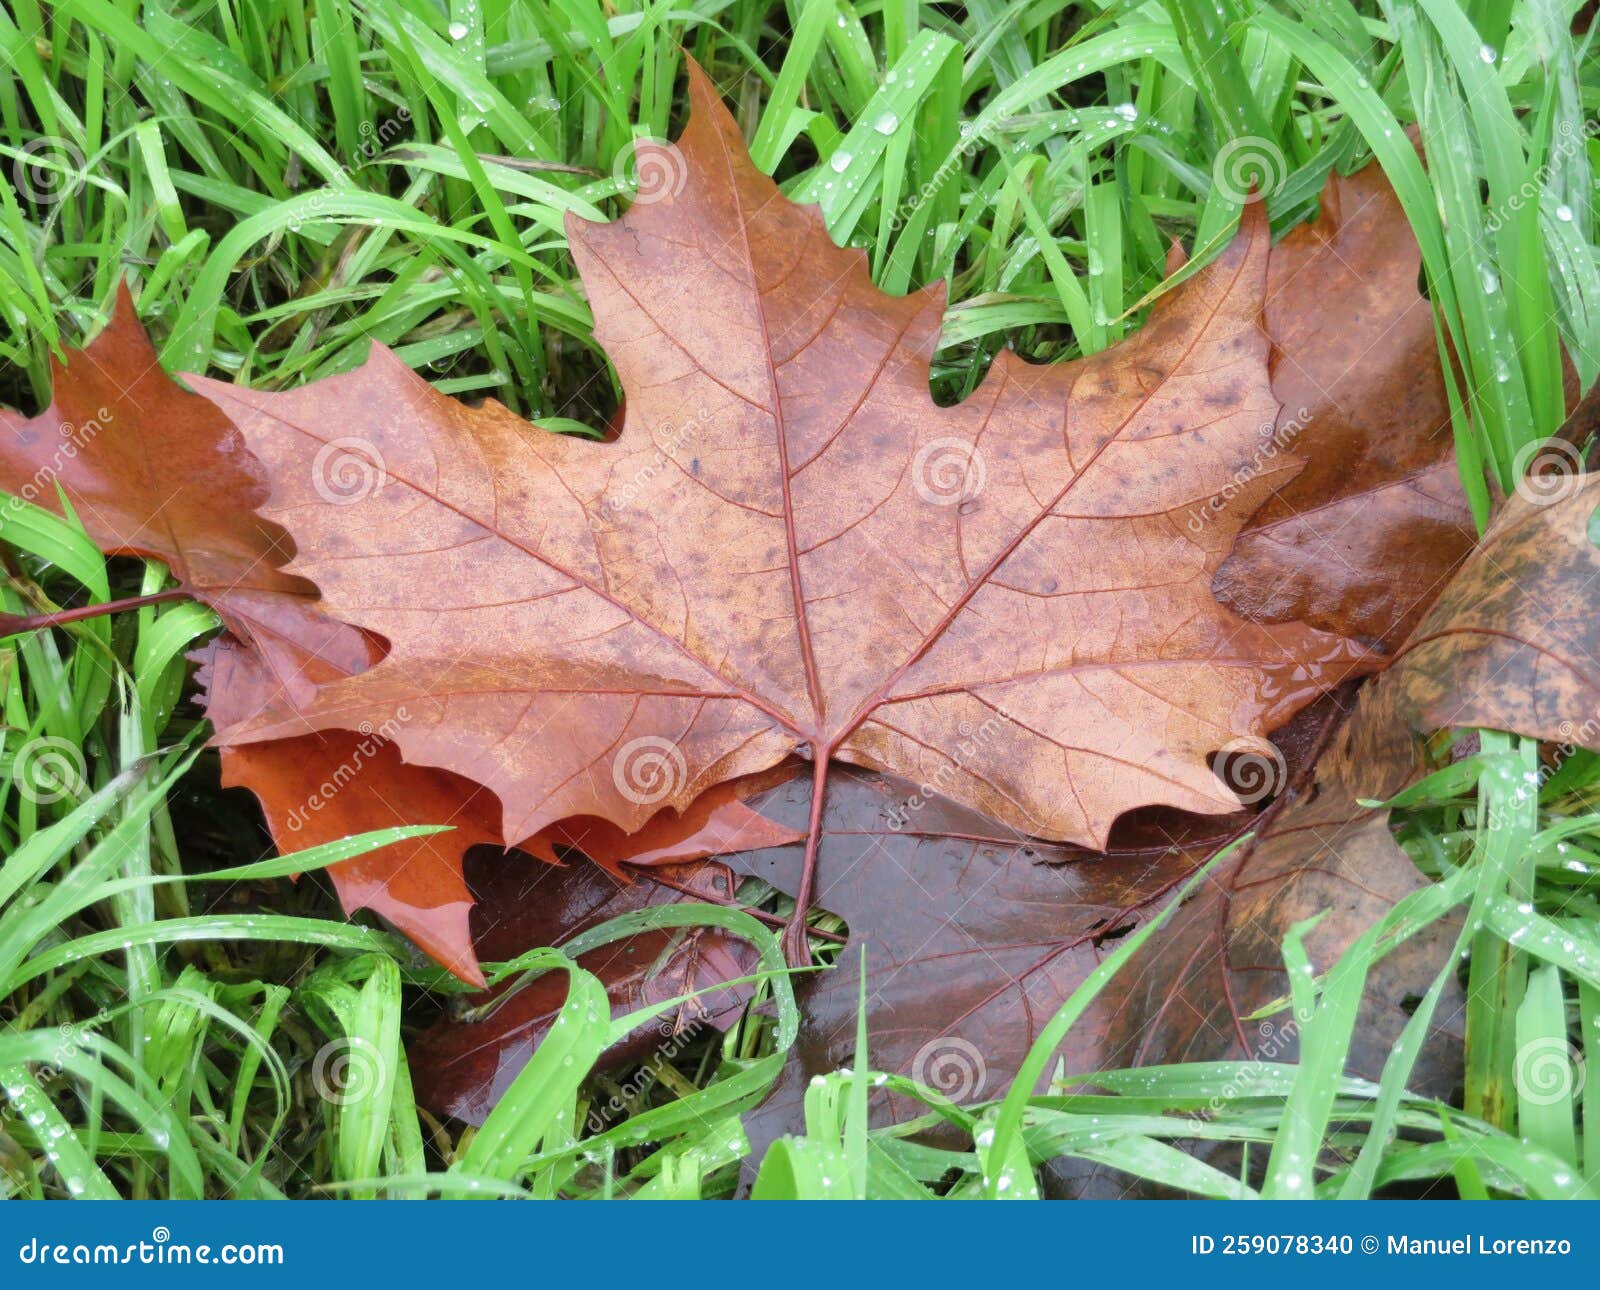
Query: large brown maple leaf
(791, 548)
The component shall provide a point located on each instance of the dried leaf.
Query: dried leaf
(152, 470)
(792, 549)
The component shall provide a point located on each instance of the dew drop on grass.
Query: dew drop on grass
(888, 123)
(458, 31)
(1127, 111)
(1489, 279)
(1486, 52)
(1564, 214)
(839, 162)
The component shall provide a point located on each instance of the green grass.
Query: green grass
(284, 183)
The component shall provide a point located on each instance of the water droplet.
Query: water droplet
(458, 31)
(1127, 111)
(1486, 52)
(839, 162)
(1564, 213)
(888, 123)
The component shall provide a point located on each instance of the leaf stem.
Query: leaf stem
(15, 624)
(796, 950)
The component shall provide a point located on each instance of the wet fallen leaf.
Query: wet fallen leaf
(792, 549)
(1514, 644)
(152, 470)
(462, 1067)
(1362, 540)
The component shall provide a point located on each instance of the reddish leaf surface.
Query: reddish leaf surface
(830, 564)
(961, 919)
(462, 1068)
(155, 471)
(717, 822)
(1363, 539)
(320, 787)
